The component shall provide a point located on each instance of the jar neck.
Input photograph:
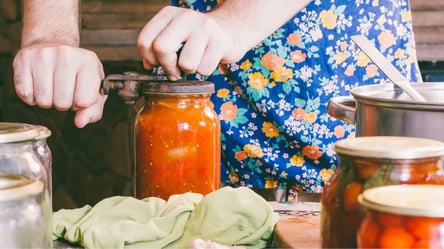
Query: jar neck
(19, 146)
(180, 100)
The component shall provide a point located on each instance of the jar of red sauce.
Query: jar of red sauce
(403, 216)
(177, 140)
(368, 162)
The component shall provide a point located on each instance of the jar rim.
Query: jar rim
(18, 132)
(177, 87)
(412, 200)
(14, 187)
(390, 147)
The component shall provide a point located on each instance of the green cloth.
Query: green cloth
(224, 216)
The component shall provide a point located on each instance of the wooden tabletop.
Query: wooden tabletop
(299, 225)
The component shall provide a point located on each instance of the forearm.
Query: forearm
(50, 21)
(254, 20)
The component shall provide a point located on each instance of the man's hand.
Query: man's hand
(60, 76)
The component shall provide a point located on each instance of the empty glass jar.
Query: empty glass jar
(25, 214)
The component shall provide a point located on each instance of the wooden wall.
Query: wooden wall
(428, 24)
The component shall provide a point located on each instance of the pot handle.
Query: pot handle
(343, 108)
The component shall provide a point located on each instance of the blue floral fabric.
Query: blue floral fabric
(272, 103)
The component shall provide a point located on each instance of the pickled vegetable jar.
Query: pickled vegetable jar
(367, 162)
(403, 216)
(177, 140)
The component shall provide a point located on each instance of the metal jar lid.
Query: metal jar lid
(411, 200)
(16, 187)
(177, 87)
(17, 132)
(390, 147)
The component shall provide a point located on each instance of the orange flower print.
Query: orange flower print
(339, 131)
(328, 19)
(270, 183)
(223, 93)
(298, 113)
(371, 70)
(326, 174)
(310, 117)
(240, 155)
(343, 46)
(386, 38)
(246, 65)
(297, 56)
(375, 3)
(381, 20)
(340, 57)
(349, 70)
(406, 16)
(312, 152)
(272, 61)
(234, 178)
(253, 150)
(363, 59)
(399, 53)
(257, 80)
(270, 130)
(297, 161)
(282, 74)
(294, 39)
(228, 111)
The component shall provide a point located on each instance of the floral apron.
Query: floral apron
(272, 104)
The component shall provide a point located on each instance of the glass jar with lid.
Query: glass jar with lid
(367, 162)
(177, 140)
(402, 216)
(25, 214)
(23, 151)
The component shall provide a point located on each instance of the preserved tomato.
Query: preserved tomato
(403, 216)
(368, 162)
(177, 140)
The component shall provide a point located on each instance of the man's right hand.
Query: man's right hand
(63, 77)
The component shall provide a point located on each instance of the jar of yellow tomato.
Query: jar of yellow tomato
(368, 162)
(177, 140)
(402, 216)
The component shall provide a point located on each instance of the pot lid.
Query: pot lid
(412, 200)
(390, 147)
(385, 94)
(17, 132)
(177, 87)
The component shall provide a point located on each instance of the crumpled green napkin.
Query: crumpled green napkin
(229, 216)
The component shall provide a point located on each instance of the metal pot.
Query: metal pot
(385, 110)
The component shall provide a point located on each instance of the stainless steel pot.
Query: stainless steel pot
(385, 110)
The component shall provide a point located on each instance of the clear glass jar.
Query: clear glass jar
(367, 162)
(25, 215)
(177, 140)
(44, 152)
(402, 216)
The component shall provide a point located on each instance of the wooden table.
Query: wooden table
(299, 225)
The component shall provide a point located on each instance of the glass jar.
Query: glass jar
(402, 216)
(177, 140)
(367, 162)
(44, 152)
(25, 216)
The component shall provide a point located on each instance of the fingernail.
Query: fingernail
(173, 78)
